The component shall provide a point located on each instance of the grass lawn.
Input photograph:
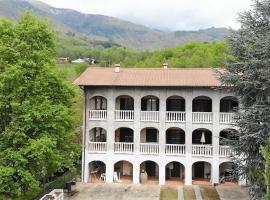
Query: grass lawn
(168, 194)
(189, 193)
(209, 193)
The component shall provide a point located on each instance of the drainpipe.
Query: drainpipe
(84, 133)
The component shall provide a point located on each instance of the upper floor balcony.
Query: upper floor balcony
(175, 111)
(150, 144)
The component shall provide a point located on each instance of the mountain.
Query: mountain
(108, 30)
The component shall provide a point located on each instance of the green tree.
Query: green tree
(249, 74)
(36, 127)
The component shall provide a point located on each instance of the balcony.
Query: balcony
(202, 150)
(175, 149)
(225, 151)
(175, 116)
(97, 114)
(149, 116)
(202, 117)
(228, 117)
(97, 147)
(123, 147)
(124, 115)
(149, 148)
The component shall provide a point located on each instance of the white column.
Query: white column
(109, 172)
(86, 172)
(215, 129)
(136, 173)
(161, 170)
(162, 117)
(110, 122)
(188, 131)
(188, 174)
(137, 109)
(215, 171)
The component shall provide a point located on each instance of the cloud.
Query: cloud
(164, 14)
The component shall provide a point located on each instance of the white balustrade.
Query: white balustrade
(123, 147)
(97, 147)
(225, 151)
(150, 116)
(202, 150)
(175, 149)
(202, 117)
(149, 148)
(124, 115)
(228, 118)
(97, 114)
(174, 116)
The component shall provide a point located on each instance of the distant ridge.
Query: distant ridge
(109, 29)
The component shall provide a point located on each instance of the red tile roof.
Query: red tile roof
(171, 77)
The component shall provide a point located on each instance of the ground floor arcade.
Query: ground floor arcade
(155, 172)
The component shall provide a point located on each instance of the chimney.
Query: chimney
(117, 68)
(165, 65)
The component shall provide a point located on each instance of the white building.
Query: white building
(165, 122)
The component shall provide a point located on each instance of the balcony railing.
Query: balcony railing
(225, 151)
(97, 147)
(202, 117)
(149, 148)
(175, 149)
(151, 116)
(174, 116)
(97, 114)
(228, 118)
(124, 115)
(202, 150)
(123, 147)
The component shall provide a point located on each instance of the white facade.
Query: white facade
(161, 150)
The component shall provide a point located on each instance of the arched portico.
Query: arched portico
(123, 171)
(201, 172)
(174, 173)
(149, 172)
(97, 171)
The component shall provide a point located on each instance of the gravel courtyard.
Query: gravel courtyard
(90, 191)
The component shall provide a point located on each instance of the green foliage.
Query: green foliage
(249, 73)
(193, 54)
(36, 127)
(266, 154)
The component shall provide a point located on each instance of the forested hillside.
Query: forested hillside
(193, 54)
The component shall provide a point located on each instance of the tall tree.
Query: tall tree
(36, 127)
(249, 74)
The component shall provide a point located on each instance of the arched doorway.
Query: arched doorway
(124, 171)
(175, 173)
(97, 171)
(201, 172)
(149, 172)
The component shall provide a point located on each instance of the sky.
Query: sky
(164, 14)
